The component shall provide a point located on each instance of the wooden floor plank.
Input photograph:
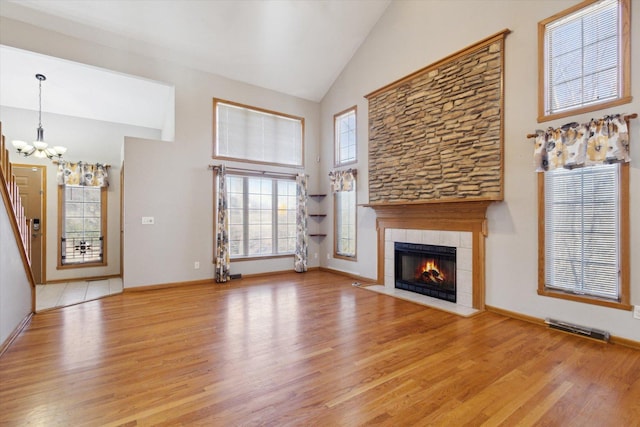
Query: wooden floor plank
(305, 349)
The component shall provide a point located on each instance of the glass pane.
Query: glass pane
(73, 226)
(345, 222)
(92, 210)
(74, 193)
(73, 210)
(92, 194)
(236, 232)
(234, 184)
(92, 225)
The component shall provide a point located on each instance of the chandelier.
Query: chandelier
(39, 148)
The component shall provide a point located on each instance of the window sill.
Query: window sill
(261, 257)
(587, 109)
(585, 299)
(84, 265)
(345, 257)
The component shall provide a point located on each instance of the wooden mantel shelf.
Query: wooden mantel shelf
(458, 215)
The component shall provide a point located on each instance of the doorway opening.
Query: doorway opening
(32, 182)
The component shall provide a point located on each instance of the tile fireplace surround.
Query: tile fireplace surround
(462, 225)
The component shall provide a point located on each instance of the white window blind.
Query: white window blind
(248, 134)
(582, 65)
(582, 230)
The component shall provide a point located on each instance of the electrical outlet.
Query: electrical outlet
(328, 256)
(148, 220)
(196, 265)
(636, 311)
(315, 255)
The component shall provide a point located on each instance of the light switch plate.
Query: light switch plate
(148, 220)
(636, 311)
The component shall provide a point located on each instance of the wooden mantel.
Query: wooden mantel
(444, 216)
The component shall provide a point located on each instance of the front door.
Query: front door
(30, 180)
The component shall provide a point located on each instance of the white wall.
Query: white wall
(175, 186)
(414, 34)
(15, 290)
(170, 180)
(87, 140)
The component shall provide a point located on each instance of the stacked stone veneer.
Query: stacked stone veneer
(436, 135)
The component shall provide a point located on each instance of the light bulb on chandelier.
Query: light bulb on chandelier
(39, 148)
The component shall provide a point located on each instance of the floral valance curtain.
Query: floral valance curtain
(301, 254)
(81, 173)
(600, 141)
(222, 249)
(342, 180)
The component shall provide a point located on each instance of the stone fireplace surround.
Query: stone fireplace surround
(461, 224)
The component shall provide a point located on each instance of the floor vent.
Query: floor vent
(578, 330)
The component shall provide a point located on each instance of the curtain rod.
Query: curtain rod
(253, 171)
(625, 118)
(56, 162)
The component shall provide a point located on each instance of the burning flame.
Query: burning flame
(430, 273)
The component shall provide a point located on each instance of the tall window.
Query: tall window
(344, 124)
(262, 216)
(251, 134)
(82, 213)
(584, 59)
(584, 230)
(345, 223)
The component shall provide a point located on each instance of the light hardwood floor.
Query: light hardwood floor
(305, 349)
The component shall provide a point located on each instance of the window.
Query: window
(584, 231)
(262, 216)
(584, 59)
(82, 223)
(250, 134)
(345, 223)
(345, 137)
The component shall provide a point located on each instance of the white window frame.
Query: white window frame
(283, 221)
(584, 54)
(345, 137)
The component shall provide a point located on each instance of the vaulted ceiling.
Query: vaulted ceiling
(297, 47)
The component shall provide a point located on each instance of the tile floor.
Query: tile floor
(424, 300)
(61, 294)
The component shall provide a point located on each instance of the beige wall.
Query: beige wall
(15, 290)
(414, 34)
(87, 140)
(170, 180)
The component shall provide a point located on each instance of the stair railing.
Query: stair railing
(11, 194)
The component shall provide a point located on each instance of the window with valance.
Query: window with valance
(82, 214)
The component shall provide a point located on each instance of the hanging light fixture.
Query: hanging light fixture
(39, 148)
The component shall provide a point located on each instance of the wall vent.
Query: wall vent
(583, 331)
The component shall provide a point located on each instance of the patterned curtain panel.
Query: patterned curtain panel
(300, 260)
(342, 180)
(81, 173)
(605, 140)
(223, 263)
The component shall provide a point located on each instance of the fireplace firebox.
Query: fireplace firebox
(426, 269)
